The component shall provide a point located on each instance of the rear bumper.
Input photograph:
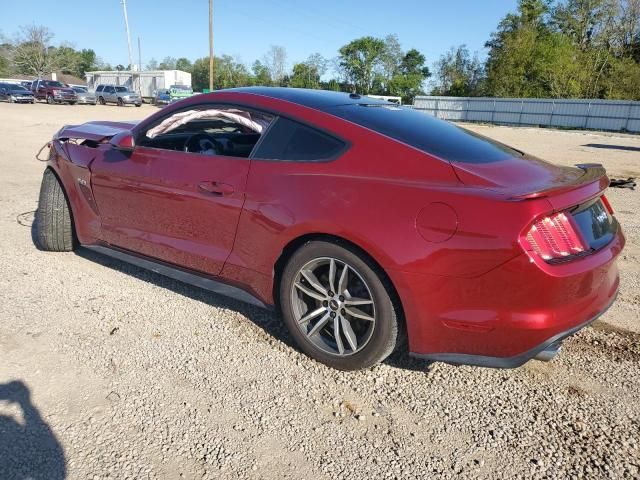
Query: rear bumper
(510, 314)
(545, 351)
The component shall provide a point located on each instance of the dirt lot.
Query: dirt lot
(108, 371)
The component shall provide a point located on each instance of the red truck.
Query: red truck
(53, 92)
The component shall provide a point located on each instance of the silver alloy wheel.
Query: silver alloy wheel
(333, 306)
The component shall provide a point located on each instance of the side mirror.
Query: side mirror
(123, 141)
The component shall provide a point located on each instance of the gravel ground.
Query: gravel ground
(109, 371)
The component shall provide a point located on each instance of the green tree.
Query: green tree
(304, 76)
(458, 73)
(307, 74)
(518, 52)
(408, 80)
(200, 74)
(359, 59)
(184, 64)
(228, 73)
(261, 75)
(390, 61)
(623, 80)
(586, 21)
(87, 61)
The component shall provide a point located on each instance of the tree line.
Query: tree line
(552, 49)
(367, 65)
(546, 48)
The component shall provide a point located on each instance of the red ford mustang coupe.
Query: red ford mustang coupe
(363, 222)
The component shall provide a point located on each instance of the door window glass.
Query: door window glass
(226, 131)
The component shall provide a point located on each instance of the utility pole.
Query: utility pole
(126, 26)
(139, 68)
(211, 45)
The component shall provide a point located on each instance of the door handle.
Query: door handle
(216, 188)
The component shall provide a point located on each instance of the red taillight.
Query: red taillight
(606, 203)
(554, 237)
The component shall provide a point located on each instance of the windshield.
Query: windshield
(53, 84)
(121, 89)
(15, 87)
(424, 132)
(79, 89)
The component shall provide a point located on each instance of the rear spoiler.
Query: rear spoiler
(593, 173)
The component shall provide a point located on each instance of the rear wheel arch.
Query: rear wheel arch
(294, 244)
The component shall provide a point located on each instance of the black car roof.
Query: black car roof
(318, 99)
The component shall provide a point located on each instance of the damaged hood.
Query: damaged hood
(95, 131)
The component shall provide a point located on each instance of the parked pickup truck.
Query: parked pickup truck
(53, 92)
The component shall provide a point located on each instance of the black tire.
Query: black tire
(50, 100)
(101, 100)
(120, 102)
(385, 336)
(138, 104)
(72, 103)
(54, 227)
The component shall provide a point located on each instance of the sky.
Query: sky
(245, 29)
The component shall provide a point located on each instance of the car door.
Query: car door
(176, 206)
(40, 91)
(107, 93)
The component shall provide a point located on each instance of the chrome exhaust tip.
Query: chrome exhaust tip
(548, 353)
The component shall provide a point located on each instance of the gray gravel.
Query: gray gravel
(132, 375)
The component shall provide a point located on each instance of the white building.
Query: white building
(145, 82)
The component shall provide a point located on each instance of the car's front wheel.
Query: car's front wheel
(120, 102)
(101, 100)
(338, 307)
(54, 228)
(50, 100)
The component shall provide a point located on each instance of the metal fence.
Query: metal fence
(614, 115)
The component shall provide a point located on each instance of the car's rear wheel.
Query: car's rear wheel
(54, 227)
(338, 307)
(50, 100)
(101, 100)
(120, 102)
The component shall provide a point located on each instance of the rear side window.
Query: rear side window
(293, 141)
(426, 133)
